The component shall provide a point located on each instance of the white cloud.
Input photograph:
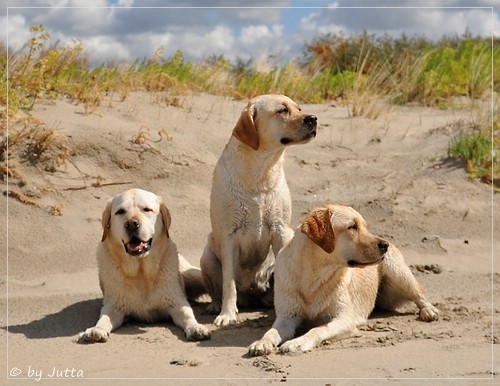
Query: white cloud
(432, 21)
(259, 42)
(104, 49)
(198, 45)
(17, 33)
(123, 33)
(309, 23)
(254, 34)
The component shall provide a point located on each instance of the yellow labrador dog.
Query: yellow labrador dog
(250, 204)
(332, 274)
(140, 269)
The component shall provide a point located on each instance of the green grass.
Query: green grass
(359, 70)
(479, 149)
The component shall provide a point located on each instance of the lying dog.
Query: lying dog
(140, 269)
(332, 274)
(250, 204)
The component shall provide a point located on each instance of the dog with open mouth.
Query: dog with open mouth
(141, 273)
(332, 274)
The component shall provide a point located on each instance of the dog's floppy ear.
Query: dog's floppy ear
(165, 217)
(106, 221)
(245, 129)
(318, 227)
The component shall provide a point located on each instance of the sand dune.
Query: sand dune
(390, 169)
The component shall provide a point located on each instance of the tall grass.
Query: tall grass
(359, 70)
(405, 70)
(479, 146)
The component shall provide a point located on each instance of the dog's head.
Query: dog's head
(342, 233)
(272, 121)
(134, 219)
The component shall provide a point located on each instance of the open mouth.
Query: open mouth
(137, 247)
(357, 264)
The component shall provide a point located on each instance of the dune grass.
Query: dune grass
(359, 71)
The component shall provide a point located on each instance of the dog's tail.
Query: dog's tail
(191, 276)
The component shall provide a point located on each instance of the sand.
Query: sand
(392, 169)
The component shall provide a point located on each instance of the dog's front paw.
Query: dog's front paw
(93, 335)
(226, 319)
(261, 347)
(197, 332)
(296, 346)
(429, 313)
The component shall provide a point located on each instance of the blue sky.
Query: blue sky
(118, 30)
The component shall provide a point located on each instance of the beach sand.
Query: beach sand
(393, 170)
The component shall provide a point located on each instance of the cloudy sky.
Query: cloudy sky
(123, 30)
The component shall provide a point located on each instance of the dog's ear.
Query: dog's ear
(246, 130)
(165, 217)
(318, 227)
(106, 221)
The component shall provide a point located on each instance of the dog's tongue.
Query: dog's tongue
(135, 246)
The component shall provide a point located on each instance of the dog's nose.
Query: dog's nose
(132, 224)
(383, 246)
(310, 120)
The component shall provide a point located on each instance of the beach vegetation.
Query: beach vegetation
(365, 72)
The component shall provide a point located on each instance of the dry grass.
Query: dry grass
(367, 74)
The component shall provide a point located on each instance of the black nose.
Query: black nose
(310, 120)
(132, 224)
(383, 246)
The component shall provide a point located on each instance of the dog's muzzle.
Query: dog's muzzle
(311, 122)
(357, 264)
(137, 247)
(383, 247)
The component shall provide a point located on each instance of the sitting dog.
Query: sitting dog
(250, 206)
(332, 273)
(140, 269)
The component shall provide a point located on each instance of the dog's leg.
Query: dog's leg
(283, 329)
(281, 239)
(109, 320)
(400, 286)
(183, 317)
(339, 328)
(191, 276)
(229, 310)
(211, 274)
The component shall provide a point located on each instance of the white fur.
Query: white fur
(250, 206)
(149, 286)
(314, 282)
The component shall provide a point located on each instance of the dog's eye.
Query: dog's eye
(147, 210)
(283, 110)
(120, 211)
(353, 227)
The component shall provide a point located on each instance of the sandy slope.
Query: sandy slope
(390, 169)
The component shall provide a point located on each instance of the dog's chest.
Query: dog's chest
(138, 293)
(259, 216)
(254, 229)
(323, 294)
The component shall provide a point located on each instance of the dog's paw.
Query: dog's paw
(429, 313)
(296, 346)
(93, 335)
(226, 319)
(197, 332)
(261, 347)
